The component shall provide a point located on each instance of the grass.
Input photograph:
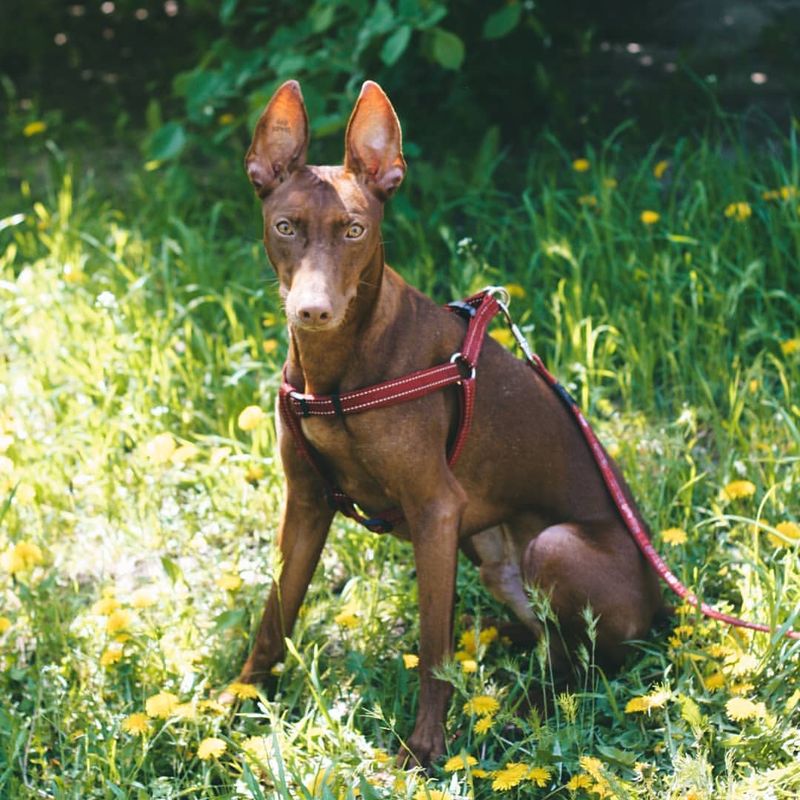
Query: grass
(137, 516)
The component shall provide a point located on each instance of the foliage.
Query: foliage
(138, 506)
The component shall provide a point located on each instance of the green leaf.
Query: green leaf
(228, 619)
(174, 572)
(395, 45)
(448, 49)
(502, 22)
(226, 10)
(321, 16)
(167, 142)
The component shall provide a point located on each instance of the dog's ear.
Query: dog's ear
(374, 142)
(280, 141)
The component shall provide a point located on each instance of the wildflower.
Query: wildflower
(484, 724)
(462, 655)
(787, 192)
(483, 705)
(503, 335)
(186, 452)
(740, 212)
(144, 597)
(610, 183)
(592, 765)
(741, 687)
(110, 656)
(244, 691)
(32, 128)
(161, 705)
(228, 581)
(481, 773)
(5, 624)
(250, 418)
(578, 782)
(461, 761)
(226, 119)
(410, 661)
(432, 794)
(715, 681)
(469, 666)
(105, 606)
(185, 711)
(509, 776)
(636, 705)
(539, 776)
(468, 642)
(119, 620)
(488, 635)
(790, 346)
(347, 619)
(587, 200)
(568, 703)
(136, 724)
(674, 536)
(740, 708)
(649, 217)
(211, 748)
(160, 448)
(737, 490)
(269, 346)
(789, 530)
(741, 663)
(21, 557)
(257, 747)
(581, 165)
(516, 291)
(255, 472)
(684, 630)
(660, 168)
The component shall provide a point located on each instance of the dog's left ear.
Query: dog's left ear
(374, 142)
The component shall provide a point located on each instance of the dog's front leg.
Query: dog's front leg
(301, 536)
(434, 528)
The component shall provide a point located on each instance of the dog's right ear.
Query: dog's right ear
(280, 141)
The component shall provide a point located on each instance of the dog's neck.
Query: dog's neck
(320, 360)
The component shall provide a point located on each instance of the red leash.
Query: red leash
(480, 309)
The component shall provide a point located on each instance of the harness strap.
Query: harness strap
(459, 370)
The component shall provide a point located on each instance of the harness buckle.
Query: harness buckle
(460, 359)
(500, 293)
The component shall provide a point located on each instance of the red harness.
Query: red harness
(460, 370)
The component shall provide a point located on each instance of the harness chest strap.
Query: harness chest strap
(459, 370)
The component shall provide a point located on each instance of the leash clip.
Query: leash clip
(500, 293)
(459, 358)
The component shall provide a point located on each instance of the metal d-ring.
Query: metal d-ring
(459, 358)
(504, 297)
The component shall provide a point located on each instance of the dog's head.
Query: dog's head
(322, 224)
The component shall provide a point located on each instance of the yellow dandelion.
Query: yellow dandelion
(213, 706)
(228, 581)
(105, 606)
(255, 472)
(119, 620)
(111, 655)
(637, 705)
(741, 687)
(674, 536)
(790, 346)
(269, 346)
(432, 794)
(410, 661)
(244, 691)
(34, 128)
(649, 217)
(740, 212)
(714, 681)
(5, 624)
(187, 711)
(578, 782)
(468, 642)
(740, 708)
(516, 291)
(211, 748)
(250, 418)
(509, 777)
(21, 557)
(504, 336)
(258, 748)
(684, 630)
(226, 119)
(469, 666)
(788, 530)
(462, 655)
(484, 724)
(347, 619)
(736, 490)
(481, 773)
(144, 597)
(787, 192)
(581, 165)
(658, 699)
(539, 775)
(610, 183)
(660, 168)
(483, 705)
(592, 765)
(160, 448)
(488, 635)
(588, 200)
(136, 724)
(461, 761)
(161, 705)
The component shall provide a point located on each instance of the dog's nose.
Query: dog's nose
(315, 314)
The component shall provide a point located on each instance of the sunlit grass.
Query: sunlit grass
(139, 493)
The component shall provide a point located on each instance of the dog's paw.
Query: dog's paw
(422, 749)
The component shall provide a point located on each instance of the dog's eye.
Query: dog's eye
(354, 231)
(284, 228)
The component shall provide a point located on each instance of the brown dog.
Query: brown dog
(525, 501)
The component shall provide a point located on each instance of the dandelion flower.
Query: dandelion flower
(410, 661)
(244, 691)
(269, 346)
(461, 761)
(33, 128)
(161, 705)
(484, 724)
(469, 666)
(649, 217)
(211, 748)
(144, 597)
(740, 708)
(110, 656)
(468, 642)
(136, 724)
(740, 212)
(347, 619)
(516, 291)
(432, 794)
(674, 536)
(737, 490)
(637, 705)
(250, 418)
(229, 582)
(790, 346)
(504, 336)
(119, 620)
(160, 448)
(483, 705)
(660, 168)
(185, 711)
(539, 776)
(714, 681)
(5, 624)
(488, 635)
(581, 165)
(21, 557)
(105, 606)
(258, 748)
(509, 777)
(610, 183)
(789, 530)
(588, 200)
(226, 119)
(578, 782)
